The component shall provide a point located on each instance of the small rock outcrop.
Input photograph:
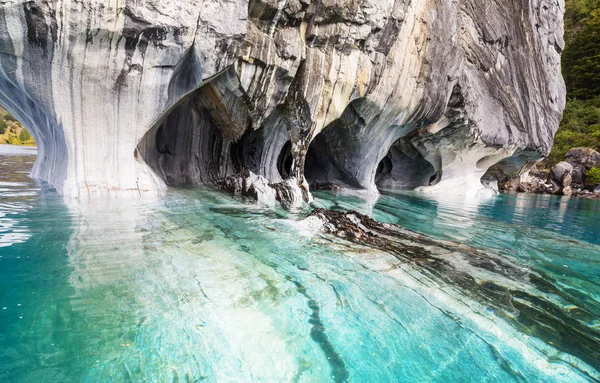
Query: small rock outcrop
(582, 160)
(129, 97)
(562, 176)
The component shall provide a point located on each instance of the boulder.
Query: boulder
(586, 157)
(582, 159)
(561, 177)
(250, 185)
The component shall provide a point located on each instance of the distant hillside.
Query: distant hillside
(12, 132)
(581, 69)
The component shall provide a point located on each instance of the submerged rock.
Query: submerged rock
(526, 298)
(289, 192)
(144, 95)
(250, 185)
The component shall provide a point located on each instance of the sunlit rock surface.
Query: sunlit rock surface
(124, 98)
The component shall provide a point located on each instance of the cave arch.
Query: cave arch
(209, 135)
(508, 170)
(405, 168)
(52, 159)
(348, 151)
(191, 142)
(351, 153)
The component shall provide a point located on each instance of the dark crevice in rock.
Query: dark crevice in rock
(384, 168)
(285, 161)
(339, 373)
(404, 168)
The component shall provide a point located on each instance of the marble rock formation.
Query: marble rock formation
(128, 97)
(490, 278)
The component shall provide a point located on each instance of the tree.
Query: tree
(581, 69)
(3, 126)
(592, 178)
(581, 60)
(24, 136)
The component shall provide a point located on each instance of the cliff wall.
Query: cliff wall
(125, 97)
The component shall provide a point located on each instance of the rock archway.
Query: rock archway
(404, 168)
(52, 158)
(112, 101)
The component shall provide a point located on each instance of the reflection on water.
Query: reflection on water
(17, 191)
(198, 286)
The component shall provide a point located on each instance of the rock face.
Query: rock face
(126, 97)
(562, 177)
(582, 159)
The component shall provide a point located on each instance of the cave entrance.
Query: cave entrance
(285, 161)
(26, 118)
(192, 143)
(384, 168)
(321, 169)
(434, 179)
(404, 168)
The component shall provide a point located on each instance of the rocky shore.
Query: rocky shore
(575, 176)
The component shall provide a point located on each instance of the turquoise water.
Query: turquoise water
(200, 286)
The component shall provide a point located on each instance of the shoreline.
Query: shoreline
(22, 150)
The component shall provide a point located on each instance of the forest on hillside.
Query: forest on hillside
(580, 126)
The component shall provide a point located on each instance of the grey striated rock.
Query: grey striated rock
(250, 185)
(290, 194)
(126, 98)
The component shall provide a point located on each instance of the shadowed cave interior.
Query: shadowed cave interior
(209, 136)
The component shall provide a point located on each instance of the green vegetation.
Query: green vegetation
(24, 136)
(10, 117)
(580, 127)
(592, 177)
(12, 132)
(581, 70)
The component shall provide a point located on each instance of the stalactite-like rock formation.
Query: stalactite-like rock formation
(125, 98)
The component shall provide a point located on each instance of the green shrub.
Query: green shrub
(580, 127)
(10, 117)
(24, 136)
(592, 177)
(581, 57)
(3, 126)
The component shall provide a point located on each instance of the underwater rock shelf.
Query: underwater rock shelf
(526, 298)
